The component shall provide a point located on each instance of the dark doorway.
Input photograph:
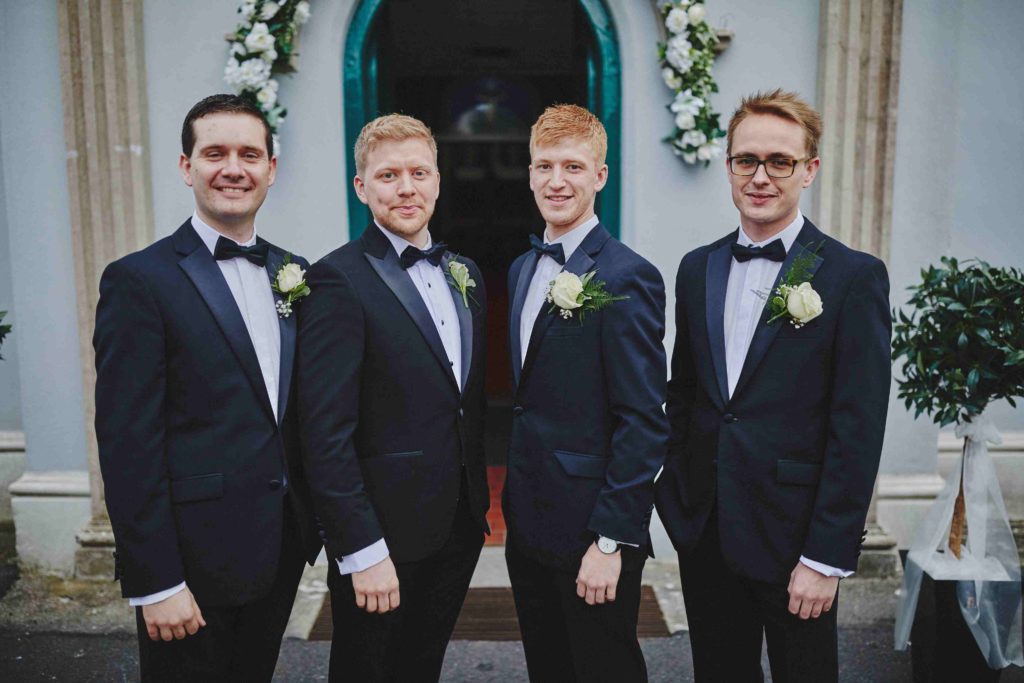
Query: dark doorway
(479, 72)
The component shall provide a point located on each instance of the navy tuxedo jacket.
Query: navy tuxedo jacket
(385, 430)
(791, 458)
(195, 466)
(588, 429)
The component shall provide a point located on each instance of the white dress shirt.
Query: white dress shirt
(547, 269)
(250, 287)
(437, 297)
(749, 287)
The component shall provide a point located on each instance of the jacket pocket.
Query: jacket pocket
(582, 465)
(797, 472)
(192, 489)
(571, 329)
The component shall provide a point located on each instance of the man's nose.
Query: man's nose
(761, 176)
(557, 179)
(233, 165)
(405, 185)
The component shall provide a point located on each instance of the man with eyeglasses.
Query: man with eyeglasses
(777, 403)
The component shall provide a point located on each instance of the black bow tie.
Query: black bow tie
(411, 255)
(555, 251)
(228, 249)
(773, 251)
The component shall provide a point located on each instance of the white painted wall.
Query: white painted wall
(41, 266)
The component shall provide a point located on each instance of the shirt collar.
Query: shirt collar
(788, 235)
(400, 243)
(571, 240)
(209, 235)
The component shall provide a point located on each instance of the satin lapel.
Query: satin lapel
(764, 335)
(206, 276)
(394, 276)
(465, 321)
(579, 264)
(287, 325)
(716, 282)
(522, 286)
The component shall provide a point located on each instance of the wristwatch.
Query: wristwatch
(607, 545)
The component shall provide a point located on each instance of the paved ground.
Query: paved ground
(865, 657)
(56, 630)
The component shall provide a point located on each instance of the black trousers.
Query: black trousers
(728, 614)
(405, 645)
(567, 640)
(238, 643)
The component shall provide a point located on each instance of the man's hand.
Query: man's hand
(175, 617)
(598, 576)
(811, 592)
(377, 587)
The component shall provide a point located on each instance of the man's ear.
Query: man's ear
(812, 171)
(185, 166)
(602, 177)
(357, 182)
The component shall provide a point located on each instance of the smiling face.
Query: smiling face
(565, 178)
(767, 205)
(229, 171)
(400, 183)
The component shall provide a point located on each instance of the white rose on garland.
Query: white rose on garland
(264, 43)
(686, 60)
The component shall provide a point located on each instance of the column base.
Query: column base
(49, 508)
(903, 501)
(94, 558)
(879, 558)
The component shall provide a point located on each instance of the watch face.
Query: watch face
(607, 545)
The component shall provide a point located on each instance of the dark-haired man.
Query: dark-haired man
(777, 401)
(196, 431)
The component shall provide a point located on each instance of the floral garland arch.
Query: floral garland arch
(686, 59)
(263, 44)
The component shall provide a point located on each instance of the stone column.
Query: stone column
(103, 88)
(858, 81)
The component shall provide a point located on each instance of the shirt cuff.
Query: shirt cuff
(156, 597)
(825, 569)
(372, 554)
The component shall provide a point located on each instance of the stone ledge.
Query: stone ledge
(926, 486)
(57, 483)
(12, 442)
(1012, 441)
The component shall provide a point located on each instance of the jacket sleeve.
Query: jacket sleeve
(633, 357)
(329, 357)
(130, 384)
(861, 373)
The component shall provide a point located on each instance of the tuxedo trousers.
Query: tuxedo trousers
(238, 643)
(729, 616)
(567, 640)
(405, 645)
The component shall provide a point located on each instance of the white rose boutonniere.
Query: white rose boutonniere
(794, 297)
(458, 277)
(569, 292)
(290, 282)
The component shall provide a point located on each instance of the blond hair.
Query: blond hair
(390, 128)
(563, 121)
(786, 105)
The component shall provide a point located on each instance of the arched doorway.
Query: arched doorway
(479, 74)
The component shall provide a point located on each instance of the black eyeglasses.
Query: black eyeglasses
(776, 167)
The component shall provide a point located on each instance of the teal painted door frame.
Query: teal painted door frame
(604, 94)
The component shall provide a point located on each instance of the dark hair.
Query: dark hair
(222, 104)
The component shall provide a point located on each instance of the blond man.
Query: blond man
(777, 403)
(588, 432)
(391, 403)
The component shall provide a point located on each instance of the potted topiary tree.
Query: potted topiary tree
(962, 347)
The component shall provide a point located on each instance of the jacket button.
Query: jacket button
(275, 484)
(730, 418)
(461, 413)
(517, 410)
